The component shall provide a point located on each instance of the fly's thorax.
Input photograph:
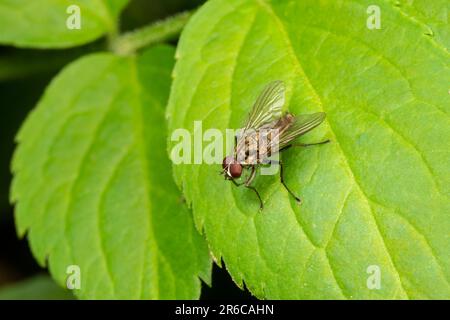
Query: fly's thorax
(257, 145)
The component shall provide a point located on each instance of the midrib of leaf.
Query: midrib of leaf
(233, 73)
(99, 215)
(78, 175)
(143, 152)
(183, 113)
(139, 117)
(199, 221)
(246, 218)
(299, 69)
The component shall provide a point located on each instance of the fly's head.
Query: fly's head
(232, 169)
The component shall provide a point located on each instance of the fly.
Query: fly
(267, 132)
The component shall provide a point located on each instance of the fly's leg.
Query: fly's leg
(284, 183)
(249, 180)
(247, 183)
(261, 205)
(237, 184)
(251, 177)
(304, 144)
(281, 164)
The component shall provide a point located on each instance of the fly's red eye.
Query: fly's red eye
(235, 170)
(232, 167)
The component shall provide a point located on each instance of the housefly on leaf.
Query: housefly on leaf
(267, 132)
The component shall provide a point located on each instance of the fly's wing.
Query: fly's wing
(267, 107)
(301, 125)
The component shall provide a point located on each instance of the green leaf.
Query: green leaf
(40, 287)
(378, 194)
(93, 185)
(42, 24)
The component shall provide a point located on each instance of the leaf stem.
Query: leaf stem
(157, 32)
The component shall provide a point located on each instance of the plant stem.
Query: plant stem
(160, 31)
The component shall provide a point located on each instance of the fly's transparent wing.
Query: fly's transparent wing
(301, 125)
(268, 106)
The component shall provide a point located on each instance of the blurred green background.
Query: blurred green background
(24, 74)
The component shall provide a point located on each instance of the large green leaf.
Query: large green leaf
(42, 24)
(378, 194)
(93, 183)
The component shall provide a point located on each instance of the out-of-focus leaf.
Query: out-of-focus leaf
(42, 23)
(93, 183)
